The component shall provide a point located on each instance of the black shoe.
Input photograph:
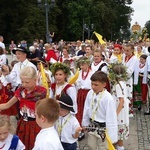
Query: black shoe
(81, 136)
(139, 107)
(147, 113)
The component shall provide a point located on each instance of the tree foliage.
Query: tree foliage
(23, 19)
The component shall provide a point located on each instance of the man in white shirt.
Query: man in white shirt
(14, 76)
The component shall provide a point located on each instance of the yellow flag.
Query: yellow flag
(44, 79)
(109, 143)
(99, 38)
(74, 78)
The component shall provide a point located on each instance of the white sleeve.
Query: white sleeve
(136, 72)
(145, 71)
(52, 60)
(10, 77)
(86, 117)
(111, 120)
(72, 92)
(20, 145)
(104, 69)
(119, 91)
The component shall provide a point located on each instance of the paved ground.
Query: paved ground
(139, 138)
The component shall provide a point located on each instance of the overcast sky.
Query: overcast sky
(141, 12)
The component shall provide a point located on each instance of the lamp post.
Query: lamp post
(46, 6)
(88, 29)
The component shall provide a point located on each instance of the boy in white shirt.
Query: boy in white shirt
(100, 112)
(67, 125)
(47, 112)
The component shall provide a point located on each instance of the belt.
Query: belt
(100, 124)
(28, 119)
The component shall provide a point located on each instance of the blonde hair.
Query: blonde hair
(10, 122)
(28, 72)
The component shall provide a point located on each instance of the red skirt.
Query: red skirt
(81, 96)
(27, 132)
(144, 92)
(5, 95)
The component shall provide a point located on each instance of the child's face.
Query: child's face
(142, 60)
(4, 132)
(28, 83)
(84, 67)
(97, 86)
(20, 56)
(60, 77)
(97, 57)
(63, 112)
(116, 51)
(39, 66)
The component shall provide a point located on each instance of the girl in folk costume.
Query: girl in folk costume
(27, 95)
(99, 65)
(140, 90)
(116, 55)
(118, 76)
(8, 139)
(89, 53)
(132, 63)
(6, 93)
(139, 52)
(60, 72)
(83, 85)
(67, 63)
(48, 74)
(66, 56)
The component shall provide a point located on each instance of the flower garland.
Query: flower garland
(82, 60)
(59, 66)
(117, 72)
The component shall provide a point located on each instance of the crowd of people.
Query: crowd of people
(88, 87)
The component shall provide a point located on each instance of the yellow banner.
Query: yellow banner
(44, 79)
(100, 38)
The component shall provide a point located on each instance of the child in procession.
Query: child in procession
(100, 112)
(118, 76)
(27, 95)
(47, 112)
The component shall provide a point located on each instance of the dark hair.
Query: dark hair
(144, 56)
(99, 76)
(1, 51)
(13, 63)
(149, 49)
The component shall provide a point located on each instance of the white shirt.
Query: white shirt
(96, 67)
(117, 92)
(68, 128)
(3, 59)
(132, 67)
(106, 112)
(2, 45)
(15, 73)
(7, 143)
(71, 91)
(84, 84)
(146, 70)
(47, 139)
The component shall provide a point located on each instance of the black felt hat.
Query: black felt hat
(21, 49)
(66, 102)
